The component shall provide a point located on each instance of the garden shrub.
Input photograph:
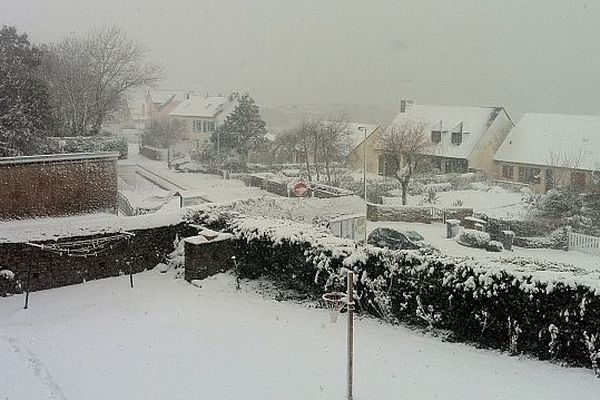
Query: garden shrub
(473, 238)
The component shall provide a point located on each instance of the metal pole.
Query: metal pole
(365, 162)
(130, 274)
(28, 287)
(350, 339)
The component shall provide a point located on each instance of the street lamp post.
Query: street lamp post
(364, 129)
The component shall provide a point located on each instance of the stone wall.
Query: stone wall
(458, 213)
(206, 259)
(57, 185)
(154, 153)
(49, 270)
(376, 212)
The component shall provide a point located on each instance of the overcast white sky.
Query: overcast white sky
(526, 55)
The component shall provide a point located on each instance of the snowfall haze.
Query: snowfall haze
(534, 56)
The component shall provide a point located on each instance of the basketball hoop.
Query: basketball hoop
(334, 301)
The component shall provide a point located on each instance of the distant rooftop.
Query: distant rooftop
(472, 121)
(202, 106)
(163, 96)
(558, 140)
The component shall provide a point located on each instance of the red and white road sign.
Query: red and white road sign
(300, 189)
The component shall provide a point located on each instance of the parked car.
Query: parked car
(393, 239)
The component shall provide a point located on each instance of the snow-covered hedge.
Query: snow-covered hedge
(7, 282)
(551, 314)
(86, 144)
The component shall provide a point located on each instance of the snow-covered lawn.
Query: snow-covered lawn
(167, 339)
(435, 234)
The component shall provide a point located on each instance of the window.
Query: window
(211, 126)
(530, 175)
(578, 180)
(436, 136)
(507, 171)
(197, 126)
(456, 138)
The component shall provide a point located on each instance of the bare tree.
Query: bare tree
(405, 145)
(565, 162)
(162, 132)
(308, 135)
(90, 75)
(334, 141)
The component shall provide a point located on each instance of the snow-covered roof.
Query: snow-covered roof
(163, 96)
(202, 106)
(555, 140)
(475, 122)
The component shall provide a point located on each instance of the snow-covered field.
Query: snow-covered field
(167, 339)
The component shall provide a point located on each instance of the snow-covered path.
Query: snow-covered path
(212, 187)
(167, 339)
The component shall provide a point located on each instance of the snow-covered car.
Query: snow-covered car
(393, 239)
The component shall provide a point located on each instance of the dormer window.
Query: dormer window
(456, 138)
(436, 136)
(457, 135)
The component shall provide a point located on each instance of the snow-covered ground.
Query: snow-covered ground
(495, 201)
(435, 234)
(167, 339)
(212, 187)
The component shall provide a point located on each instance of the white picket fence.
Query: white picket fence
(584, 243)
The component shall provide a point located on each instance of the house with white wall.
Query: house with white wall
(201, 115)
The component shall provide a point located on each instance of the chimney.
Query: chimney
(406, 105)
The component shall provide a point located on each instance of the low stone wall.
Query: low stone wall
(459, 213)
(154, 153)
(206, 259)
(49, 270)
(376, 212)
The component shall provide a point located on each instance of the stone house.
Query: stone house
(548, 150)
(463, 138)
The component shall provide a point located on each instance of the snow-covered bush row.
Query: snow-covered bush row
(553, 315)
(85, 144)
